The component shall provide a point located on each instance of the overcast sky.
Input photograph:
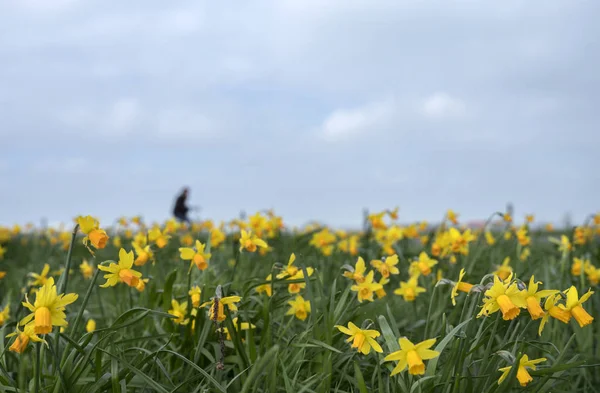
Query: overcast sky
(317, 111)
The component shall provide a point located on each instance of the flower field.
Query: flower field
(257, 306)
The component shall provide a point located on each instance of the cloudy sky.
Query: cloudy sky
(317, 109)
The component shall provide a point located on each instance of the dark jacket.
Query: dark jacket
(180, 209)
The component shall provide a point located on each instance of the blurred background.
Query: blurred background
(315, 109)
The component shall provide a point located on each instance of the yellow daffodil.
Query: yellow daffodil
(525, 253)
(564, 244)
(577, 266)
(218, 312)
(387, 266)
(121, 272)
(187, 240)
(48, 310)
(410, 289)
(4, 315)
(381, 292)
(452, 216)
(357, 274)
(573, 305)
(23, 338)
(522, 237)
(266, 288)
(86, 269)
(504, 270)
(179, 310)
(90, 326)
(366, 288)
(251, 242)
(377, 220)
(460, 285)
(362, 340)
(40, 279)
(460, 241)
(489, 238)
(554, 310)
(299, 307)
(412, 355)
(141, 285)
(158, 237)
(534, 297)
(196, 255)
(238, 327)
(323, 241)
(217, 237)
(297, 286)
(195, 292)
(423, 265)
(91, 228)
(505, 297)
(290, 269)
(522, 375)
(2, 251)
(143, 254)
(507, 217)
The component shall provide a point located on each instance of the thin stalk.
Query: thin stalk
(64, 278)
(37, 373)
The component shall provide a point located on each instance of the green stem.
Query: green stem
(429, 312)
(64, 278)
(36, 376)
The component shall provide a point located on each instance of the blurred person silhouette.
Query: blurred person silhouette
(181, 209)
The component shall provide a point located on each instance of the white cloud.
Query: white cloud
(443, 105)
(121, 117)
(124, 115)
(186, 123)
(347, 123)
(65, 165)
(45, 5)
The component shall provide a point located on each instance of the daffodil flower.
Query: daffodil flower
(534, 297)
(196, 255)
(40, 279)
(195, 293)
(410, 289)
(362, 340)
(522, 375)
(299, 307)
(143, 254)
(461, 286)
(251, 242)
(179, 310)
(218, 313)
(573, 305)
(160, 238)
(386, 267)
(290, 269)
(423, 265)
(4, 315)
(366, 288)
(412, 355)
(238, 327)
(505, 297)
(94, 235)
(48, 310)
(23, 338)
(266, 288)
(86, 269)
(121, 272)
(504, 270)
(358, 273)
